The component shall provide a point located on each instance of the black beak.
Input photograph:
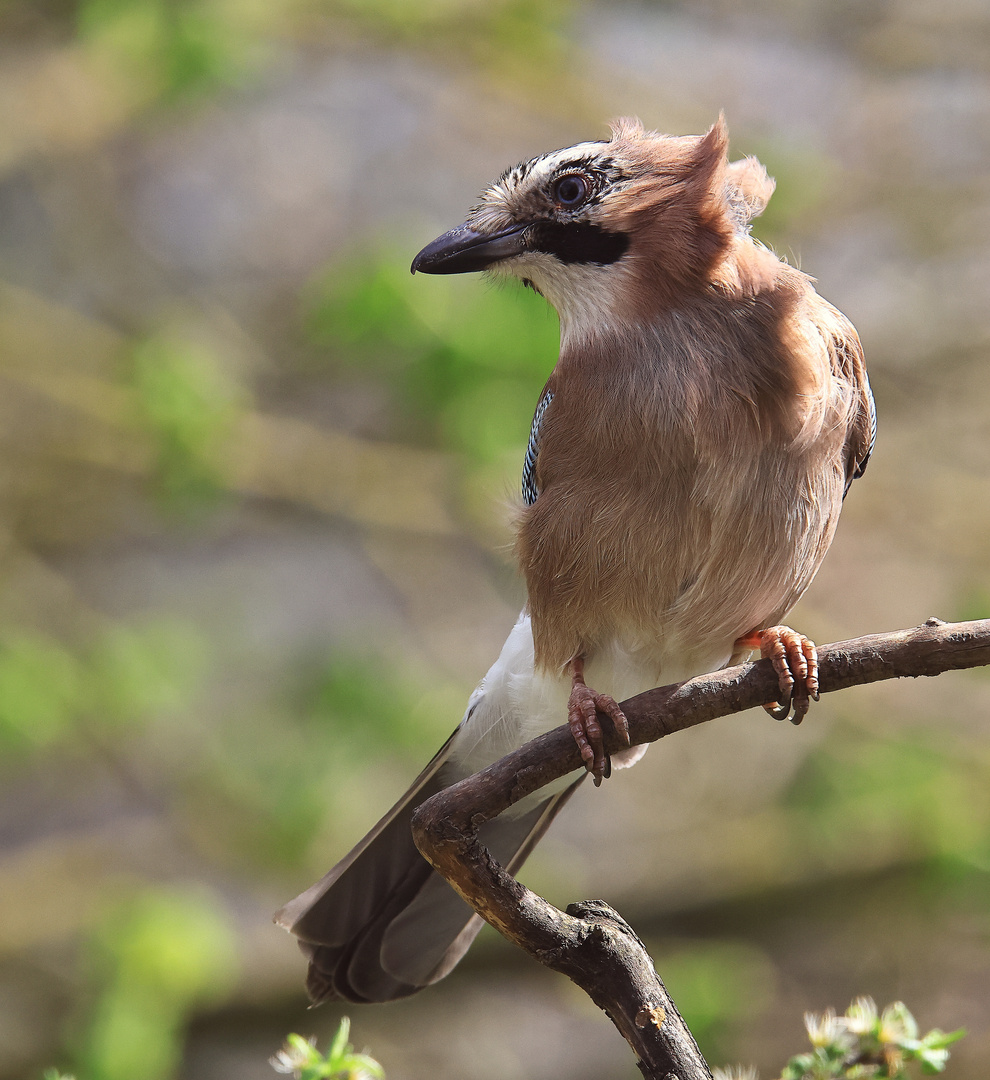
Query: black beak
(462, 250)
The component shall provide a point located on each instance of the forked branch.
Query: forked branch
(589, 942)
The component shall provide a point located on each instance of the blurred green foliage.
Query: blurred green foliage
(188, 407)
(804, 179)
(126, 676)
(262, 801)
(155, 958)
(717, 986)
(271, 802)
(40, 690)
(177, 51)
(180, 49)
(360, 697)
(510, 37)
(975, 604)
(469, 360)
(929, 795)
(138, 672)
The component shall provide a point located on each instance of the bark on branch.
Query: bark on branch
(589, 942)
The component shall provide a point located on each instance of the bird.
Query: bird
(686, 465)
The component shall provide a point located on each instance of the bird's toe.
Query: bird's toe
(795, 660)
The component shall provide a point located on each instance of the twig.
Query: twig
(589, 942)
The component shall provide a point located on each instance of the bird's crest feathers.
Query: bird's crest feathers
(640, 219)
(747, 187)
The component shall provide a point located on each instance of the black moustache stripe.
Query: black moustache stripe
(574, 242)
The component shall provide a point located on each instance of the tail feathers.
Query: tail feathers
(382, 924)
(353, 970)
(310, 907)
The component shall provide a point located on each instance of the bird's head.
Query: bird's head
(611, 229)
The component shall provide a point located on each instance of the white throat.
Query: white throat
(587, 296)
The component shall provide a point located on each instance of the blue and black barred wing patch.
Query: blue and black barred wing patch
(846, 354)
(871, 407)
(529, 489)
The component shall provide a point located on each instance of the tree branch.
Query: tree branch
(589, 942)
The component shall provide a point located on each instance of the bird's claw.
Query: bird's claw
(795, 660)
(583, 708)
(779, 710)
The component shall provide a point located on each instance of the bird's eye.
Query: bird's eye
(570, 191)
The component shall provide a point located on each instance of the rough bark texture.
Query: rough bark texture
(589, 942)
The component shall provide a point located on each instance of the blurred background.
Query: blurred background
(255, 482)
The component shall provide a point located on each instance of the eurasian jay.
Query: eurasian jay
(685, 470)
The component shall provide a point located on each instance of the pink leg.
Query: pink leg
(582, 716)
(795, 660)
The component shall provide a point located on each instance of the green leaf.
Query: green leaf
(300, 1057)
(339, 1045)
(798, 1067)
(937, 1039)
(933, 1061)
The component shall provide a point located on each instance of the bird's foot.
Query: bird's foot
(795, 660)
(582, 717)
